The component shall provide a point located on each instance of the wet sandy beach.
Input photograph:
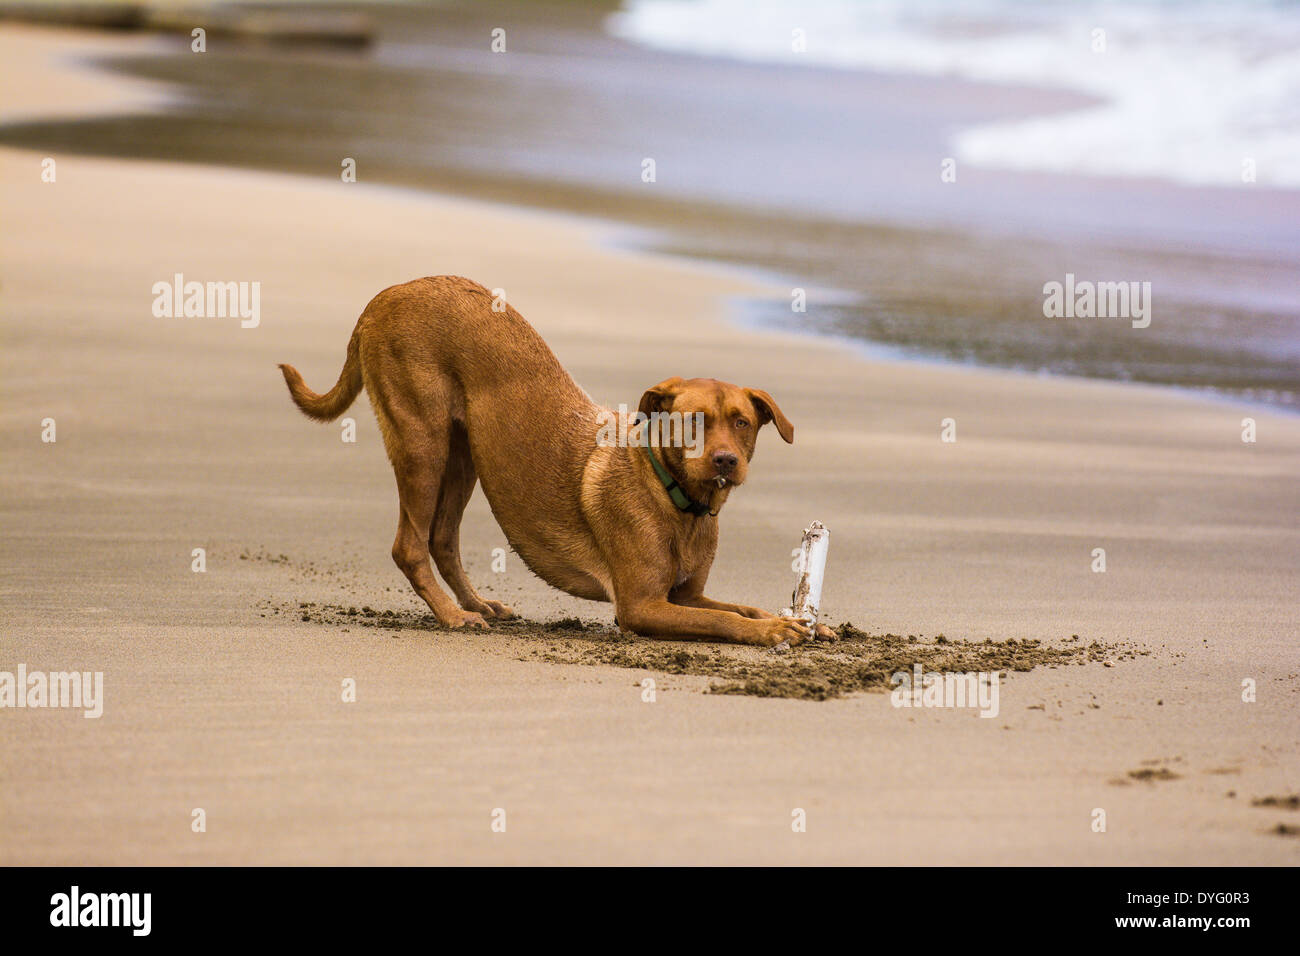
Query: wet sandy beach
(827, 180)
(222, 688)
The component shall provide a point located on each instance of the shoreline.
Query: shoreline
(950, 292)
(177, 434)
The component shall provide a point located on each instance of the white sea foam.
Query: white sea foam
(1187, 90)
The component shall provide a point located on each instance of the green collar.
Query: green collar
(683, 501)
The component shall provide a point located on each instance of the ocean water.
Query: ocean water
(828, 177)
(1203, 92)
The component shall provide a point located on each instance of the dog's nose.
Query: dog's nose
(725, 462)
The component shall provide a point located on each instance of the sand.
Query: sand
(176, 434)
(841, 193)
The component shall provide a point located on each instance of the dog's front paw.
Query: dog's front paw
(770, 632)
(824, 633)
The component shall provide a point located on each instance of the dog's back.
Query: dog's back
(449, 375)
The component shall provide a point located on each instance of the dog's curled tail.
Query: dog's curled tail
(327, 407)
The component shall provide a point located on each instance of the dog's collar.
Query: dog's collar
(680, 498)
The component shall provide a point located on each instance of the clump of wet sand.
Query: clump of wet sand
(1152, 774)
(858, 662)
(1290, 801)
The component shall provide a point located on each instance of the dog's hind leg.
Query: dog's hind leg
(411, 551)
(458, 480)
(418, 493)
(419, 446)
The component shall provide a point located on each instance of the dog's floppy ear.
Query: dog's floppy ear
(770, 411)
(653, 399)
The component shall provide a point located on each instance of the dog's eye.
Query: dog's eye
(741, 423)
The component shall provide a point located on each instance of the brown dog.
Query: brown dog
(465, 393)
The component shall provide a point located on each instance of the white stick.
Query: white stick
(807, 598)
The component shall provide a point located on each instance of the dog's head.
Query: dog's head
(707, 429)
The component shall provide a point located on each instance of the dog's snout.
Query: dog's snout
(725, 462)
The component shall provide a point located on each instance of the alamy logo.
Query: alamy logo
(663, 430)
(208, 300)
(71, 689)
(75, 908)
(941, 689)
(1101, 300)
